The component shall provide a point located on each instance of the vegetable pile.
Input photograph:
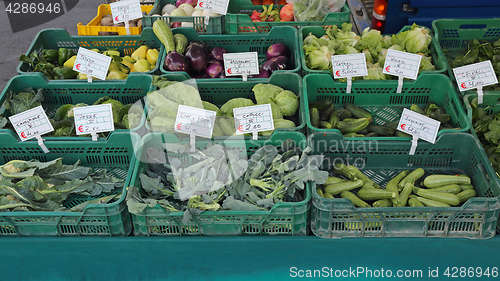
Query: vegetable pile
(273, 14)
(222, 180)
(353, 121)
(479, 51)
(184, 8)
(58, 64)
(343, 41)
(163, 104)
(400, 191)
(46, 186)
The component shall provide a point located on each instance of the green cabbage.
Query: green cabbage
(320, 59)
(162, 124)
(417, 40)
(375, 72)
(265, 92)
(287, 102)
(227, 108)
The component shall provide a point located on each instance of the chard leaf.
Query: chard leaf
(303, 175)
(252, 197)
(153, 186)
(66, 172)
(266, 203)
(44, 165)
(3, 122)
(232, 204)
(77, 186)
(21, 175)
(255, 171)
(266, 154)
(135, 203)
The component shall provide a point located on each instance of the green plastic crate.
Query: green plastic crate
(215, 24)
(452, 36)
(219, 93)
(246, 43)
(238, 19)
(125, 44)
(286, 218)
(58, 92)
(456, 153)
(97, 219)
(438, 59)
(381, 100)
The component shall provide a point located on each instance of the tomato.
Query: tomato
(286, 13)
(256, 2)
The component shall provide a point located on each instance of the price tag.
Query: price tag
(195, 121)
(243, 64)
(253, 119)
(216, 6)
(94, 119)
(349, 65)
(31, 123)
(419, 126)
(91, 63)
(474, 75)
(402, 64)
(125, 10)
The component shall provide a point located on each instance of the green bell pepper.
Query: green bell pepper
(64, 55)
(64, 73)
(50, 55)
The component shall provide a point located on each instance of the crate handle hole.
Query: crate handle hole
(473, 26)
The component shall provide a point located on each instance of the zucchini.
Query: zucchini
(354, 135)
(337, 188)
(414, 202)
(417, 109)
(392, 185)
(372, 194)
(354, 126)
(355, 200)
(452, 188)
(314, 116)
(344, 113)
(431, 203)
(349, 120)
(371, 135)
(415, 174)
(382, 131)
(382, 203)
(321, 105)
(466, 186)
(367, 184)
(466, 195)
(328, 195)
(403, 196)
(448, 198)
(325, 114)
(392, 125)
(332, 180)
(400, 134)
(319, 191)
(325, 125)
(362, 176)
(162, 30)
(334, 119)
(344, 170)
(358, 112)
(434, 181)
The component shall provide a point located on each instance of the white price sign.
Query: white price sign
(402, 64)
(125, 10)
(216, 6)
(241, 64)
(475, 75)
(31, 123)
(252, 119)
(92, 63)
(417, 124)
(349, 65)
(195, 121)
(94, 119)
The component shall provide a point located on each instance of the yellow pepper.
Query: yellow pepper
(114, 66)
(70, 62)
(116, 74)
(152, 56)
(111, 53)
(140, 53)
(142, 66)
(128, 61)
(82, 76)
(124, 68)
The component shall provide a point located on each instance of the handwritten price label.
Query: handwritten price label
(31, 123)
(237, 64)
(125, 10)
(255, 118)
(349, 65)
(402, 64)
(195, 121)
(92, 63)
(413, 123)
(216, 6)
(474, 75)
(94, 119)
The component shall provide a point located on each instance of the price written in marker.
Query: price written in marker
(31, 123)
(92, 63)
(195, 121)
(255, 118)
(94, 119)
(125, 10)
(216, 6)
(402, 64)
(413, 123)
(474, 75)
(353, 65)
(238, 64)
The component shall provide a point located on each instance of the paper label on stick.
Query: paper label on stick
(216, 6)
(237, 64)
(125, 10)
(31, 123)
(402, 64)
(195, 121)
(255, 118)
(94, 119)
(413, 123)
(353, 65)
(92, 63)
(474, 75)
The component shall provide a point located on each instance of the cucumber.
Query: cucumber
(414, 202)
(440, 180)
(334, 119)
(417, 109)
(349, 120)
(354, 126)
(354, 135)
(452, 188)
(466, 186)
(325, 114)
(364, 131)
(382, 203)
(361, 176)
(321, 105)
(448, 198)
(403, 196)
(356, 201)
(358, 112)
(392, 185)
(392, 125)
(466, 195)
(400, 134)
(328, 195)
(371, 135)
(344, 113)
(344, 170)
(382, 131)
(314, 116)
(337, 188)
(319, 191)
(372, 194)
(162, 30)
(325, 125)
(431, 203)
(415, 174)
(332, 180)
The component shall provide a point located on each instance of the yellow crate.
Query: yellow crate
(93, 27)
